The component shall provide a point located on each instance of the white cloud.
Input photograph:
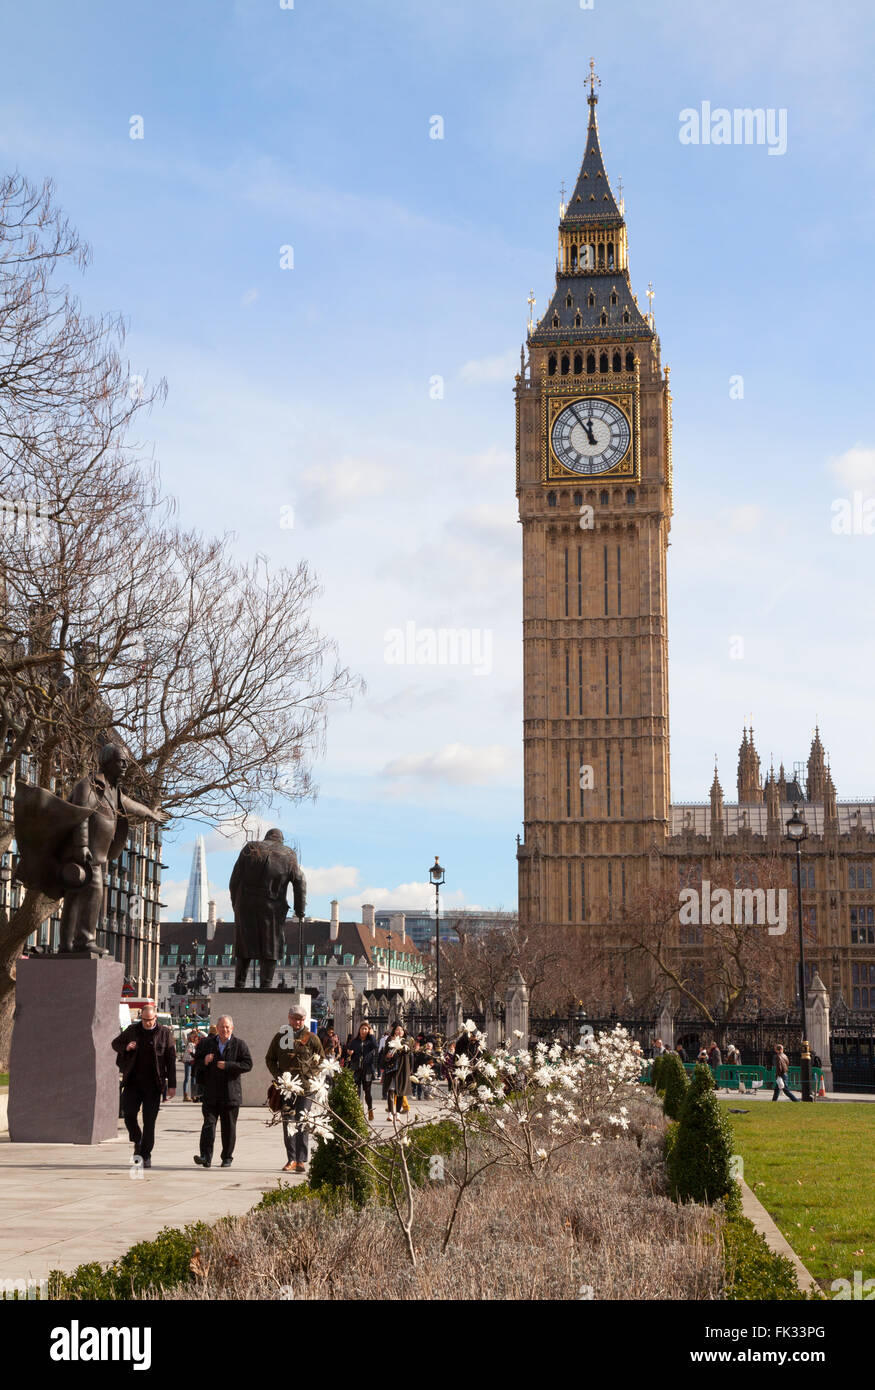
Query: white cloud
(330, 490)
(481, 371)
(331, 881)
(455, 762)
(406, 895)
(492, 460)
(744, 519)
(855, 468)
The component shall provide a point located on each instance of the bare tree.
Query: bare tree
(115, 621)
(734, 963)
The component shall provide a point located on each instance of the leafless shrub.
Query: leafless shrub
(602, 1223)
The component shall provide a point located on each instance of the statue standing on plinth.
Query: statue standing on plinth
(259, 883)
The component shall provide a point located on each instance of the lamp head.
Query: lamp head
(796, 828)
(436, 873)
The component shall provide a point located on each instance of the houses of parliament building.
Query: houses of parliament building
(594, 484)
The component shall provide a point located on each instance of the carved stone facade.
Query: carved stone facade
(595, 525)
(594, 484)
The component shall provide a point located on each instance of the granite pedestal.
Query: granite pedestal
(63, 1077)
(258, 1014)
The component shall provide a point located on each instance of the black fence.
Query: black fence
(852, 1047)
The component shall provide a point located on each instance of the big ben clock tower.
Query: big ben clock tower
(594, 489)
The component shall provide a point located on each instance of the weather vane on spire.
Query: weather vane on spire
(531, 303)
(593, 81)
(650, 293)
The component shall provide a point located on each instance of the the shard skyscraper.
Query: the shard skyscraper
(198, 894)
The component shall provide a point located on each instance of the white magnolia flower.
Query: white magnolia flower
(469, 1025)
(394, 1044)
(540, 1153)
(517, 1033)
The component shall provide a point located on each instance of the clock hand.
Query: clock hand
(586, 425)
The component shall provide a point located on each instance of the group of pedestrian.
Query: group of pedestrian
(215, 1062)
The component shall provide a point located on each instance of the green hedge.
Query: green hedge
(153, 1265)
(752, 1270)
(334, 1165)
(700, 1162)
(673, 1084)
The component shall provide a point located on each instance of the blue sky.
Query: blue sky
(309, 388)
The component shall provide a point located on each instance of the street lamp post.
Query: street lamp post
(437, 875)
(797, 831)
(300, 955)
(389, 940)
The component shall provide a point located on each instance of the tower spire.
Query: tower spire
(592, 244)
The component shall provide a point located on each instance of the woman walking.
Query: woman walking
(362, 1061)
(189, 1084)
(396, 1068)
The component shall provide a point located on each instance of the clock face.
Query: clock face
(590, 436)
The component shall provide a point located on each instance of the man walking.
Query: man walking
(298, 1051)
(147, 1061)
(782, 1074)
(219, 1062)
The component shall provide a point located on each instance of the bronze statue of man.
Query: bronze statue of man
(94, 843)
(65, 846)
(259, 880)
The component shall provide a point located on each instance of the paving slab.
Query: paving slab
(62, 1205)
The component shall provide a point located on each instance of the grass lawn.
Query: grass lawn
(4, 1078)
(811, 1167)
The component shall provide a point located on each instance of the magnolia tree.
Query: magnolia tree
(514, 1108)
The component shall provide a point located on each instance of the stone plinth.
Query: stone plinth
(258, 1014)
(63, 1077)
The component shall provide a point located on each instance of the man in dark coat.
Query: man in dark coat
(299, 1052)
(259, 881)
(219, 1062)
(147, 1061)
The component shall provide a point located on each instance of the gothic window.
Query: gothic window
(613, 296)
(578, 357)
(617, 365)
(551, 364)
(862, 926)
(588, 257)
(578, 499)
(630, 362)
(590, 362)
(604, 499)
(551, 499)
(574, 258)
(630, 497)
(859, 876)
(565, 364)
(555, 320)
(603, 361)
(601, 253)
(578, 321)
(568, 301)
(611, 257)
(604, 319)
(625, 315)
(591, 300)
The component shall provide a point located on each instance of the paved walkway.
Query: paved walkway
(62, 1205)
